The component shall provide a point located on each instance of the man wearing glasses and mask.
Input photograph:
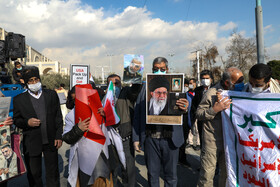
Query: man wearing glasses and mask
(37, 111)
(162, 142)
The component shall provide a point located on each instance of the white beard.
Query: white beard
(158, 105)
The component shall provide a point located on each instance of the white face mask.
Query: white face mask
(191, 86)
(186, 88)
(256, 89)
(205, 82)
(35, 87)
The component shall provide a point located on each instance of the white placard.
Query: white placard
(79, 74)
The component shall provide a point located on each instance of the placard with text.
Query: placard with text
(79, 74)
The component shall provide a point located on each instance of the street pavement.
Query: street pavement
(187, 176)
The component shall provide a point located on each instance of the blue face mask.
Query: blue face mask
(19, 68)
(117, 91)
(239, 87)
(159, 72)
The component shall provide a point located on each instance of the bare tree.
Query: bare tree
(242, 52)
(209, 55)
(207, 59)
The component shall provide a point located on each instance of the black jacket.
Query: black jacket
(15, 76)
(74, 135)
(23, 111)
(125, 109)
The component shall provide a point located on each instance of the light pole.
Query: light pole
(197, 65)
(110, 55)
(259, 29)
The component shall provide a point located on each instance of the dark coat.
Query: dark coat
(139, 124)
(23, 111)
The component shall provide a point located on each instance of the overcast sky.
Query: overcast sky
(86, 31)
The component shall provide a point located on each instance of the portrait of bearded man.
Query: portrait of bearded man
(158, 87)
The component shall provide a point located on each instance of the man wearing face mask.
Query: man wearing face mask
(260, 80)
(186, 85)
(207, 80)
(192, 86)
(125, 98)
(162, 142)
(17, 72)
(37, 111)
(209, 111)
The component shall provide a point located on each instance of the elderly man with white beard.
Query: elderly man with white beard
(158, 87)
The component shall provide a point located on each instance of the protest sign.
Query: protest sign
(161, 99)
(79, 74)
(133, 69)
(11, 162)
(251, 128)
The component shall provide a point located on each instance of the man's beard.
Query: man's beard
(157, 104)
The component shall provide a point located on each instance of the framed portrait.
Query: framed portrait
(176, 84)
(162, 94)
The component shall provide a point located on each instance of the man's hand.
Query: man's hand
(137, 146)
(84, 125)
(183, 104)
(101, 112)
(219, 96)
(8, 121)
(33, 122)
(57, 143)
(22, 81)
(222, 104)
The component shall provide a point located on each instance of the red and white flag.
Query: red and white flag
(87, 102)
(112, 117)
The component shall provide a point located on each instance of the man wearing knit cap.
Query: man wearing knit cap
(158, 87)
(17, 72)
(37, 112)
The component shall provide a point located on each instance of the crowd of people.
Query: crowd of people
(38, 113)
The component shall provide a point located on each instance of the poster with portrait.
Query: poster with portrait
(11, 162)
(133, 69)
(162, 93)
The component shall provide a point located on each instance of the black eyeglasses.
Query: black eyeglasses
(161, 69)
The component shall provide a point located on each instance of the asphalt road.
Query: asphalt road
(187, 176)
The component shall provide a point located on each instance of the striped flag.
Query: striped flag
(112, 117)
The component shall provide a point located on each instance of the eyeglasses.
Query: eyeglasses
(34, 80)
(161, 69)
(159, 93)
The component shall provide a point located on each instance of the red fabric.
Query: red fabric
(87, 102)
(16, 148)
(110, 117)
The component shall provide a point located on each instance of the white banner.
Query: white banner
(251, 128)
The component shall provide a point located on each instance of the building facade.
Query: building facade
(35, 58)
